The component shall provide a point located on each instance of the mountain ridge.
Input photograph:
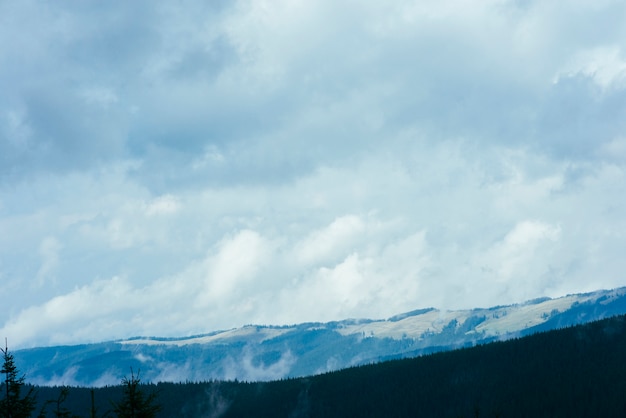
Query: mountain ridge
(262, 352)
(576, 371)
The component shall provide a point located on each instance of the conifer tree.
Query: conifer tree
(93, 411)
(13, 404)
(134, 403)
(60, 410)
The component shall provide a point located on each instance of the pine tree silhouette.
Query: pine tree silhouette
(13, 404)
(60, 410)
(134, 403)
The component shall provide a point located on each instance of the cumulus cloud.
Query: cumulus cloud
(331, 241)
(518, 259)
(177, 170)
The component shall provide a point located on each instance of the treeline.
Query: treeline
(574, 372)
(19, 400)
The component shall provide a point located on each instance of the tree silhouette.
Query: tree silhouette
(13, 404)
(134, 403)
(93, 411)
(60, 410)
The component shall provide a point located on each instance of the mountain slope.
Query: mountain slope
(573, 372)
(265, 353)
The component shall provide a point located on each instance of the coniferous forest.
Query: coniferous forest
(574, 372)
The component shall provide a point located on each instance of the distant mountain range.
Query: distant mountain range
(577, 371)
(254, 353)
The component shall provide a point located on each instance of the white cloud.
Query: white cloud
(331, 242)
(249, 368)
(445, 226)
(201, 167)
(75, 315)
(49, 252)
(163, 205)
(519, 256)
(604, 65)
(236, 264)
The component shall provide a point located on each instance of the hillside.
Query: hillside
(262, 353)
(574, 372)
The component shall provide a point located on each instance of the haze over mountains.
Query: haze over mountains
(260, 352)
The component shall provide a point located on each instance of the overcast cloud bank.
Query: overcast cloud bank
(175, 170)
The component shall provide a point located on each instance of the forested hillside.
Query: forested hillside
(574, 372)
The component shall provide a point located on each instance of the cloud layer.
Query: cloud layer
(175, 170)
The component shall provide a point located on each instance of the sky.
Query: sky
(176, 168)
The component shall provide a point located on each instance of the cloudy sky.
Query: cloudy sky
(174, 168)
